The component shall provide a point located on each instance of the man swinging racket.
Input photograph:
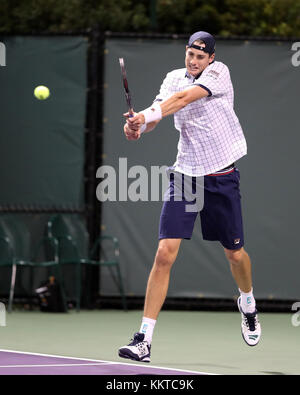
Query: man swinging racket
(211, 139)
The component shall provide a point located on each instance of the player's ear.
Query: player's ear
(211, 58)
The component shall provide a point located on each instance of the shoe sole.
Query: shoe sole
(133, 357)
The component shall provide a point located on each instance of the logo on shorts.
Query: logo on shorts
(236, 241)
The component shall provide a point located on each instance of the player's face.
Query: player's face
(196, 60)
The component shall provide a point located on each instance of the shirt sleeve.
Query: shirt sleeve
(165, 89)
(215, 79)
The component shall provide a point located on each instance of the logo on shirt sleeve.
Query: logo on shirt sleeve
(213, 74)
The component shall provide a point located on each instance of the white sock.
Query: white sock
(247, 301)
(147, 327)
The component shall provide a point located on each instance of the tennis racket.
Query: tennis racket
(125, 84)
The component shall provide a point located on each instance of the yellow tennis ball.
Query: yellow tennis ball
(41, 92)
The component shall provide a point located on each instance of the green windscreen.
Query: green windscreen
(42, 141)
(266, 82)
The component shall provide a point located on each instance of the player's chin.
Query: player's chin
(194, 72)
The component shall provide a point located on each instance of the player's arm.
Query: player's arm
(181, 99)
(168, 107)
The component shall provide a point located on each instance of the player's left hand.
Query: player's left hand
(130, 133)
(136, 121)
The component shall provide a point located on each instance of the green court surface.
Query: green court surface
(198, 341)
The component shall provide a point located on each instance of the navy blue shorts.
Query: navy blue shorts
(221, 215)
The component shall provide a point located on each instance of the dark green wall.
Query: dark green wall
(42, 141)
(267, 103)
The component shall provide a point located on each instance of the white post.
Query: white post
(2, 314)
(2, 54)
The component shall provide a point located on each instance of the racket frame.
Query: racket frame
(126, 88)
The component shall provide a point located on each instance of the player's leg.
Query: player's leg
(176, 223)
(159, 277)
(221, 220)
(157, 288)
(240, 266)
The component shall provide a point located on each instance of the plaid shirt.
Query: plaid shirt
(211, 136)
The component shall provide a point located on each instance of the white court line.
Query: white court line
(53, 365)
(108, 362)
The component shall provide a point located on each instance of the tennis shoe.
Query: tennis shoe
(137, 350)
(251, 330)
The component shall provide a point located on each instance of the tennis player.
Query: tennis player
(211, 140)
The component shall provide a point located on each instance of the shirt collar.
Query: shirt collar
(188, 75)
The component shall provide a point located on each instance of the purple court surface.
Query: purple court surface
(24, 363)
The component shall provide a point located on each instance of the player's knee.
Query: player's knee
(165, 257)
(234, 256)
